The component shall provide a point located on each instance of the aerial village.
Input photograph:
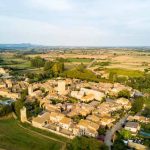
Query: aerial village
(72, 107)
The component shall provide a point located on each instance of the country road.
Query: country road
(91, 63)
(110, 132)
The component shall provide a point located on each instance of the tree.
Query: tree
(37, 62)
(57, 68)
(101, 131)
(84, 143)
(5, 109)
(141, 83)
(124, 93)
(18, 106)
(137, 104)
(77, 118)
(146, 127)
(85, 75)
(122, 80)
(33, 108)
(146, 112)
(24, 93)
(81, 67)
(48, 65)
(20, 102)
(119, 145)
(125, 134)
(146, 70)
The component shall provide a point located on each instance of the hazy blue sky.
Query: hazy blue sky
(76, 22)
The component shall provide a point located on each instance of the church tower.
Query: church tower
(30, 90)
(23, 114)
(61, 87)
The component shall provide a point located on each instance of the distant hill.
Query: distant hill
(19, 46)
(28, 46)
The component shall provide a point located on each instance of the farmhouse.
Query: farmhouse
(132, 126)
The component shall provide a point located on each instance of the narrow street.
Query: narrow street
(111, 132)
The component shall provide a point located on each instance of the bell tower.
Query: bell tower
(23, 114)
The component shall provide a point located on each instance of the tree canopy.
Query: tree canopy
(20, 102)
(124, 93)
(84, 143)
(137, 104)
(119, 145)
(125, 134)
(37, 62)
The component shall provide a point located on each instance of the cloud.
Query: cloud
(52, 5)
(44, 33)
(75, 22)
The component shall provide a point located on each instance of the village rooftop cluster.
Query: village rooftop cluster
(72, 107)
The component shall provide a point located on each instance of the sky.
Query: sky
(75, 22)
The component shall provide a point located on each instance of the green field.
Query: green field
(125, 72)
(13, 137)
(14, 62)
(101, 64)
(18, 65)
(78, 60)
(50, 134)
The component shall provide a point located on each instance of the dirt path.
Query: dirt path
(91, 63)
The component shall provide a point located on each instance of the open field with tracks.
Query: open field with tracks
(13, 136)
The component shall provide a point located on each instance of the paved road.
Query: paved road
(111, 132)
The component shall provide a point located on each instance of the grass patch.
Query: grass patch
(125, 72)
(12, 136)
(18, 66)
(104, 63)
(48, 133)
(82, 60)
(79, 60)
(24, 65)
(14, 62)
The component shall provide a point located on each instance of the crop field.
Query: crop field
(129, 63)
(78, 60)
(19, 65)
(125, 72)
(122, 59)
(13, 61)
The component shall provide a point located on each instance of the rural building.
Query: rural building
(134, 127)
